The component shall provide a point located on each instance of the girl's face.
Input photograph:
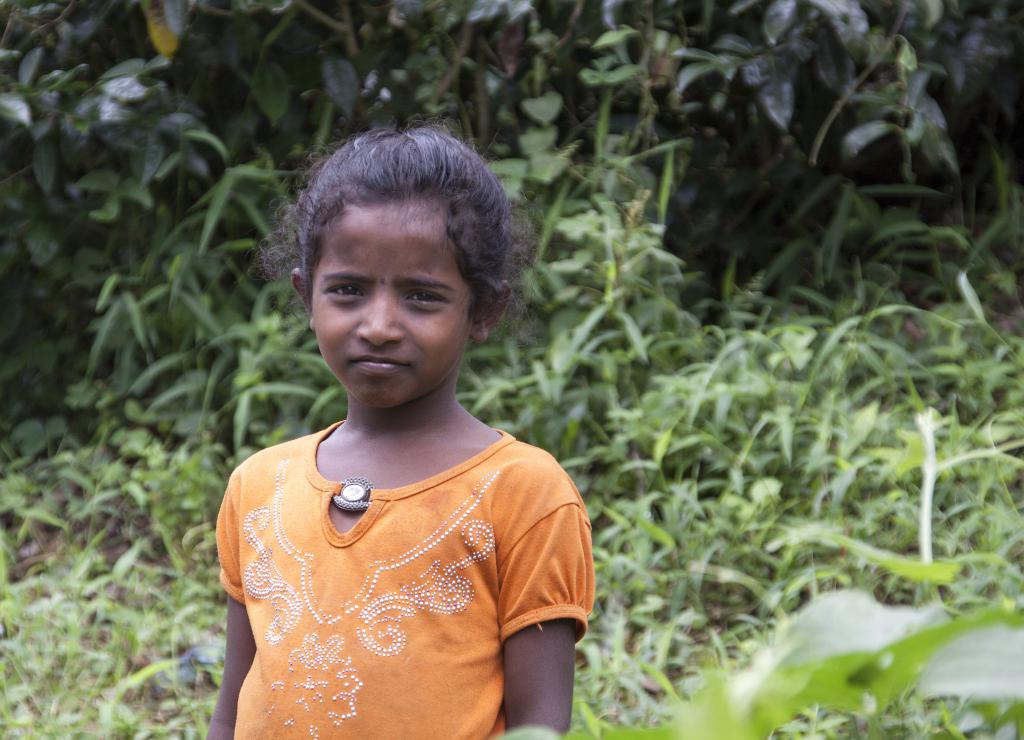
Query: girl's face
(389, 306)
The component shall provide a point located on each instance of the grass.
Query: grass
(734, 471)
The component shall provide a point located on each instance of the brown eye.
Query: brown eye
(423, 296)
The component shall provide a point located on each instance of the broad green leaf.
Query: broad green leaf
(778, 18)
(341, 83)
(692, 72)
(931, 12)
(125, 89)
(611, 77)
(613, 38)
(543, 109)
(538, 140)
(867, 133)
(29, 67)
(546, 166)
(29, 437)
(844, 647)
(44, 164)
(511, 172)
(984, 665)
(14, 108)
(907, 57)
(271, 88)
(777, 96)
(100, 180)
(715, 713)
(128, 68)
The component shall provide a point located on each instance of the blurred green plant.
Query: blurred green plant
(734, 351)
(136, 185)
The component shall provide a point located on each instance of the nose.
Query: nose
(381, 323)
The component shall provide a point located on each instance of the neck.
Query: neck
(435, 414)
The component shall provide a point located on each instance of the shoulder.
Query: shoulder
(531, 465)
(531, 484)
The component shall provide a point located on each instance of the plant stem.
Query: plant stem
(838, 106)
(461, 49)
(322, 18)
(929, 470)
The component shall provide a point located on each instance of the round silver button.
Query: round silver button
(353, 492)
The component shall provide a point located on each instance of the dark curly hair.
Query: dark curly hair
(422, 163)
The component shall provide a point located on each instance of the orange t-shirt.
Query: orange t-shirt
(395, 628)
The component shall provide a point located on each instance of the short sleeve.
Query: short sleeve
(548, 574)
(228, 540)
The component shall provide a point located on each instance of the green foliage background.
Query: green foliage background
(771, 235)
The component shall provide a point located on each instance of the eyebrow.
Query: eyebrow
(336, 276)
(411, 282)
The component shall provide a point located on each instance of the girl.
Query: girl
(409, 572)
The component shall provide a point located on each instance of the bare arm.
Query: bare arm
(241, 649)
(539, 664)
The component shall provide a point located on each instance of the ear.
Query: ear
(487, 316)
(300, 288)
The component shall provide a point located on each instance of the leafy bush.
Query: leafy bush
(135, 186)
(754, 339)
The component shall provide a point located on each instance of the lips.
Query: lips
(378, 365)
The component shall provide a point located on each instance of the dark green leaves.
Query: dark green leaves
(846, 651)
(774, 81)
(858, 138)
(271, 88)
(341, 83)
(13, 107)
(778, 18)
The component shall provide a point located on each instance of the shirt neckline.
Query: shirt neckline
(318, 481)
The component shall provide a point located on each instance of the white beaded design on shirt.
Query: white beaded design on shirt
(327, 681)
(440, 588)
(262, 580)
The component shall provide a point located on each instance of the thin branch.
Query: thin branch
(15, 175)
(838, 106)
(13, 18)
(573, 17)
(321, 17)
(351, 45)
(465, 39)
